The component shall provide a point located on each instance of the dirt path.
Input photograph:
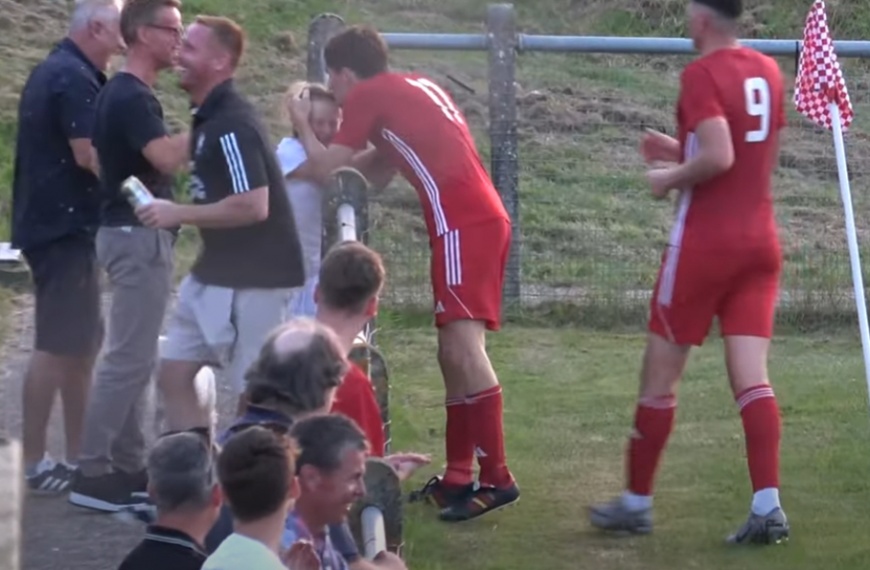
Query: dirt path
(57, 535)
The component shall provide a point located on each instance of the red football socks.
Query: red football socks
(653, 422)
(761, 424)
(485, 411)
(460, 446)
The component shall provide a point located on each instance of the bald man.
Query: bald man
(296, 375)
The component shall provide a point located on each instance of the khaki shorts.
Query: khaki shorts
(223, 327)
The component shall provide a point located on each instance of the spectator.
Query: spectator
(55, 214)
(250, 260)
(351, 279)
(183, 486)
(131, 139)
(330, 469)
(296, 375)
(256, 472)
(306, 195)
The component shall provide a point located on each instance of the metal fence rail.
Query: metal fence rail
(586, 239)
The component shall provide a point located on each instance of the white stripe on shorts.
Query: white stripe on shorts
(452, 258)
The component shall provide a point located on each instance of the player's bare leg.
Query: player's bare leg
(663, 365)
(746, 359)
(474, 427)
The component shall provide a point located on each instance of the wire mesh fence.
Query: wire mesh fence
(591, 235)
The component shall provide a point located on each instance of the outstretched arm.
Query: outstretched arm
(372, 164)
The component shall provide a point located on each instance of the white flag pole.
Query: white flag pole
(851, 237)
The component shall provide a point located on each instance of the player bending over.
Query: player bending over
(723, 259)
(416, 128)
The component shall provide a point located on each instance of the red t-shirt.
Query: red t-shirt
(735, 209)
(355, 398)
(418, 127)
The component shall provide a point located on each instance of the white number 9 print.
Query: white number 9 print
(758, 105)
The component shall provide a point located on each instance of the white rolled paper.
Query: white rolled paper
(11, 482)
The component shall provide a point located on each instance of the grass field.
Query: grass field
(569, 398)
(589, 231)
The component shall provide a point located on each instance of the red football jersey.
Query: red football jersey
(735, 209)
(416, 124)
(355, 398)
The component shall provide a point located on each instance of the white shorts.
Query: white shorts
(223, 327)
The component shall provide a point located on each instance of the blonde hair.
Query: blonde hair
(229, 35)
(316, 92)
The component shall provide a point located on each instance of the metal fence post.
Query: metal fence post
(502, 35)
(321, 28)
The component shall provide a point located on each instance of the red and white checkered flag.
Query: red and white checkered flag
(819, 78)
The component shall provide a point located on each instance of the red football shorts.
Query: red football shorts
(740, 288)
(468, 266)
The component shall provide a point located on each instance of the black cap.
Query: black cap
(728, 8)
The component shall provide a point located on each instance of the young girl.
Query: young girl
(305, 195)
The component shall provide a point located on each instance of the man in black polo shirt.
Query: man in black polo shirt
(131, 139)
(54, 217)
(251, 259)
(183, 486)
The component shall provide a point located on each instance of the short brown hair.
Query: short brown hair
(228, 34)
(350, 275)
(256, 468)
(323, 439)
(137, 14)
(358, 48)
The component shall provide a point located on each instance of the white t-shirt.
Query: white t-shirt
(239, 552)
(305, 198)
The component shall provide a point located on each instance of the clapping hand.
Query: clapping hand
(301, 556)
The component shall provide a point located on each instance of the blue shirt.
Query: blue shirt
(295, 530)
(52, 196)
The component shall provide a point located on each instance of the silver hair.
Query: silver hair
(181, 472)
(86, 11)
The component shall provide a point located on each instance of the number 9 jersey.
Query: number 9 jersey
(732, 211)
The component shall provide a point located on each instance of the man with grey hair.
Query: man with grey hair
(299, 369)
(296, 376)
(183, 486)
(55, 214)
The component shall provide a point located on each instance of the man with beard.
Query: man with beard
(250, 260)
